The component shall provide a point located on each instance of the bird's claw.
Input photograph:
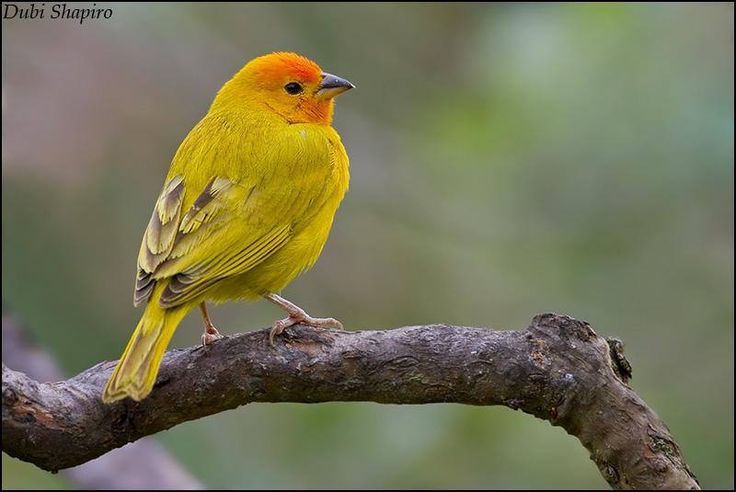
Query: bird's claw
(210, 335)
(303, 318)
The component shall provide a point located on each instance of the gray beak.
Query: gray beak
(332, 85)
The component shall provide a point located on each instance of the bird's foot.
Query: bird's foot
(299, 316)
(210, 335)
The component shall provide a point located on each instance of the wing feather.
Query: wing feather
(187, 285)
(158, 240)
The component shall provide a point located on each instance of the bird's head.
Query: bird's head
(290, 85)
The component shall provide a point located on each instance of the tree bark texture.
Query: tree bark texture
(557, 369)
(144, 464)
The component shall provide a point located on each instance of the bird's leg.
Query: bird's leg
(210, 332)
(296, 316)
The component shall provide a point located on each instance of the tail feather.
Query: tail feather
(138, 367)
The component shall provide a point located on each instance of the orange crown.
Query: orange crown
(276, 67)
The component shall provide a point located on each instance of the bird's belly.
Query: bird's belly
(279, 269)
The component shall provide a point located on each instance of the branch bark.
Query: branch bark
(557, 369)
(144, 464)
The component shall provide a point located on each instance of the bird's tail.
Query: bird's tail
(136, 370)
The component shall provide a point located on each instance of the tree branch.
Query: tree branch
(144, 464)
(558, 369)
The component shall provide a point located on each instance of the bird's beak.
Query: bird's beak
(332, 86)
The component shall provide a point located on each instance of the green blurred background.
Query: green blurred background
(506, 160)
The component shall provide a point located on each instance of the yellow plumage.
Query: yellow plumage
(247, 205)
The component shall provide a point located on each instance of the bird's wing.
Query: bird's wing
(159, 238)
(248, 209)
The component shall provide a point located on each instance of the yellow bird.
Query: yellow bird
(247, 206)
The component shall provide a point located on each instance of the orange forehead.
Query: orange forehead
(278, 67)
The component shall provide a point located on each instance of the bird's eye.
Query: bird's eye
(293, 88)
